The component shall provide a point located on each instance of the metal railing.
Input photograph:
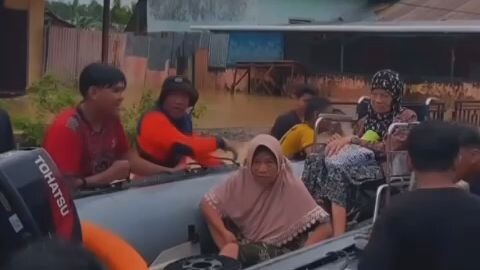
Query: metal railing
(432, 109)
(467, 111)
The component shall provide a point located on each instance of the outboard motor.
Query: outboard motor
(35, 201)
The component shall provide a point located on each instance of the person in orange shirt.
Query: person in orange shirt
(164, 134)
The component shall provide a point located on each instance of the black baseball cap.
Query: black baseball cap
(175, 84)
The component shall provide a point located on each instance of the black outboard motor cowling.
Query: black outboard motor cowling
(35, 201)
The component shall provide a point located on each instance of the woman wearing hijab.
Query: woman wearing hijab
(263, 210)
(329, 182)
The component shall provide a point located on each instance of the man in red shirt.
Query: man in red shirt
(88, 143)
(164, 134)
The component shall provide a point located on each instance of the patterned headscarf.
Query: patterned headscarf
(389, 81)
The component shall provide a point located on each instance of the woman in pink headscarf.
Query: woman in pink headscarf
(263, 210)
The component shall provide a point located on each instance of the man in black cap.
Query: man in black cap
(164, 134)
(435, 226)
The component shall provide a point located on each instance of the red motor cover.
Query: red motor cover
(35, 201)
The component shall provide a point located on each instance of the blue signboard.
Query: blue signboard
(255, 47)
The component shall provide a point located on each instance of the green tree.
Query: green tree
(90, 16)
(95, 9)
(120, 14)
(63, 10)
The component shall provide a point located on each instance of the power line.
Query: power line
(438, 8)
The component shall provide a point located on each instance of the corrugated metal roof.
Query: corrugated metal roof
(434, 10)
(366, 27)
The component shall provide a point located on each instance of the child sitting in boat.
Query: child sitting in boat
(165, 136)
(269, 209)
(298, 141)
(296, 116)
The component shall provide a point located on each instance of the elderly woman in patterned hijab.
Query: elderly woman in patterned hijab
(330, 182)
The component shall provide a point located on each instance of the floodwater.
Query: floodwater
(246, 113)
(232, 114)
(224, 110)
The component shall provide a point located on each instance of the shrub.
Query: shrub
(49, 97)
(132, 114)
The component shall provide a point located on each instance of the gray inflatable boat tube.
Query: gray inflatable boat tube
(154, 218)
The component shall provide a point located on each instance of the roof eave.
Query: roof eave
(366, 28)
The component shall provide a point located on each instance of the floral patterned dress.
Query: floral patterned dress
(334, 182)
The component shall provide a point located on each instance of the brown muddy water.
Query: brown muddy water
(240, 117)
(222, 109)
(236, 117)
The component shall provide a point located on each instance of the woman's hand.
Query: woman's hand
(230, 147)
(229, 237)
(120, 169)
(334, 137)
(182, 166)
(335, 146)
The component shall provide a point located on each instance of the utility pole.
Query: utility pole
(105, 30)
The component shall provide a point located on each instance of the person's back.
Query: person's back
(296, 140)
(435, 226)
(427, 229)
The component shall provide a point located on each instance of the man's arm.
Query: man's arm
(275, 131)
(221, 235)
(65, 146)
(281, 126)
(138, 165)
(119, 170)
(158, 129)
(144, 167)
(307, 141)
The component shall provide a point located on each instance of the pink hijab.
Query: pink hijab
(273, 215)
